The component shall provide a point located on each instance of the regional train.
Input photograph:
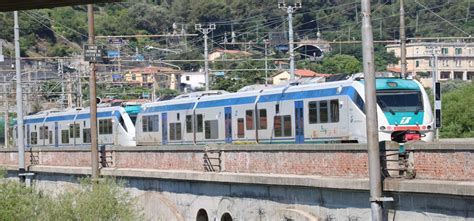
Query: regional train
(300, 112)
(71, 128)
(328, 112)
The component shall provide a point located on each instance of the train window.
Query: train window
(105, 126)
(74, 131)
(86, 135)
(65, 136)
(334, 106)
(313, 112)
(122, 123)
(211, 129)
(43, 133)
(34, 138)
(277, 108)
(50, 137)
(282, 126)
(199, 123)
(150, 123)
(240, 128)
(175, 131)
(189, 123)
(323, 112)
(262, 115)
(177, 116)
(287, 126)
(249, 119)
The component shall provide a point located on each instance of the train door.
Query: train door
(56, 134)
(299, 122)
(164, 128)
(228, 124)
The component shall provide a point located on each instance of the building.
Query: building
(283, 76)
(191, 81)
(455, 59)
(164, 77)
(219, 53)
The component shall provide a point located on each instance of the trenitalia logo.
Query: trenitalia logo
(405, 120)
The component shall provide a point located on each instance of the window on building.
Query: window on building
(86, 135)
(445, 63)
(417, 63)
(199, 123)
(65, 136)
(74, 131)
(187, 78)
(249, 119)
(150, 123)
(105, 126)
(458, 51)
(211, 129)
(282, 126)
(240, 128)
(262, 115)
(430, 63)
(444, 51)
(43, 133)
(471, 63)
(134, 77)
(417, 50)
(189, 123)
(458, 62)
(445, 75)
(34, 138)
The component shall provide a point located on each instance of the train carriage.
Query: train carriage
(329, 112)
(72, 128)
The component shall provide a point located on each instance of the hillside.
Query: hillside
(61, 31)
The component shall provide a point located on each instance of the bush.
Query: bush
(105, 200)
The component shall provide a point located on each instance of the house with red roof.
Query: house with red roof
(282, 76)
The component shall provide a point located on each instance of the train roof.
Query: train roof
(71, 112)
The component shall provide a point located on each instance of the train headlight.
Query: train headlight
(382, 128)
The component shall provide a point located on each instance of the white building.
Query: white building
(193, 80)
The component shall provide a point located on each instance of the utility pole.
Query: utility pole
(266, 62)
(19, 102)
(205, 31)
(371, 113)
(437, 103)
(5, 90)
(403, 49)
(290, 10)
(93, 103)
(61, 75)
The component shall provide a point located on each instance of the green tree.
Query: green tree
(340, 64)
(458, 113)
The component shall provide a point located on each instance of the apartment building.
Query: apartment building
(455, 59)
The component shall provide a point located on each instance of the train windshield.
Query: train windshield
(400, 101)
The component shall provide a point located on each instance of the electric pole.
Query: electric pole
(371, 114)
(61, 75)
(93, 102)
(19, 102)
(403, 49)
(290, 10)
(266, 62)
(205, 31)
(5, 90)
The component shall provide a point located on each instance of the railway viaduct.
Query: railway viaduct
(432, 181)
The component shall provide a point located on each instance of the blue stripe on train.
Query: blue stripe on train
(116, 114)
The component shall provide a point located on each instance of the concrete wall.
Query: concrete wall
(262, 199)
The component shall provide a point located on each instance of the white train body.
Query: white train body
(71, 128)
(308, 113)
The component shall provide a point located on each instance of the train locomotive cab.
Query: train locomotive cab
(405, 111)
